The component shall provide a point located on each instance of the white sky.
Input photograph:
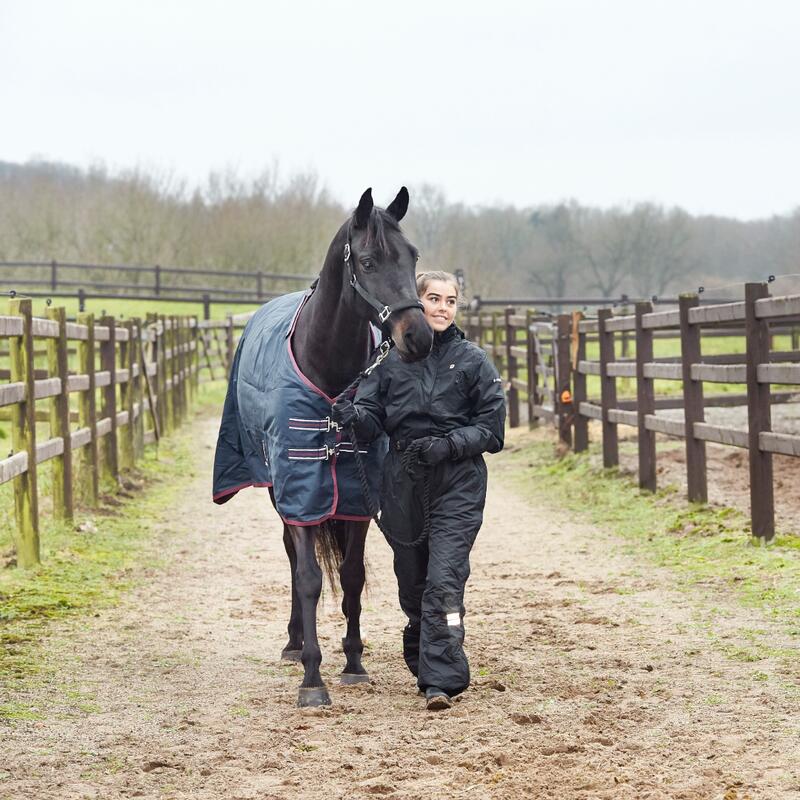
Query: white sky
(607, 101)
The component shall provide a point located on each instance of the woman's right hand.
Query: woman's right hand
(344, 412)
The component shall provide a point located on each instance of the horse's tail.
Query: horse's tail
(331, 543)
(330, 551)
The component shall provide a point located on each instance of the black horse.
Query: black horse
(368, 278)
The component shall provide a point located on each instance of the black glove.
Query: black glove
(432, 449)
(344, 412)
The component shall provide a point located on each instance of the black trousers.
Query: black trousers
(431, 578)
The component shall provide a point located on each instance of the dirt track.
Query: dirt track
(592, 678)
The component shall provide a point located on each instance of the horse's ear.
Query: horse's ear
(364, 208)
(398, 207)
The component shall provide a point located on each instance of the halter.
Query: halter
(384, 311)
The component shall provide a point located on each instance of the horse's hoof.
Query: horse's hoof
(351, 678)
(291, 655)
(312, 696)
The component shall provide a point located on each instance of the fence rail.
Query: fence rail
(69, 279)
(125, 385)
(558, 368)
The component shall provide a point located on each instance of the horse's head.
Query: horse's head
(382, 263)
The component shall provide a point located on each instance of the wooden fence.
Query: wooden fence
(181, 284)
(554, 355)
(124, 384)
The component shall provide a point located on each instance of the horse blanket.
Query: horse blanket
(276, 429)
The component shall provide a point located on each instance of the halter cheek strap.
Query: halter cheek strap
(384, 311)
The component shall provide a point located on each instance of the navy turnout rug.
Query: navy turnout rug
(276, 429)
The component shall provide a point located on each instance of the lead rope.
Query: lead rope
(405, 462)
(372, 508)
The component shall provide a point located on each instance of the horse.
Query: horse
(322, 340)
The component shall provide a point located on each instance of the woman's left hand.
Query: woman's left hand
(433, 449)
(344, 413)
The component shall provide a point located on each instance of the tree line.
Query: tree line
(278, 223)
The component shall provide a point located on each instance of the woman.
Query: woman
(445, 410)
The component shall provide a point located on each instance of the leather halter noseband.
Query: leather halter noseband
(384, 311)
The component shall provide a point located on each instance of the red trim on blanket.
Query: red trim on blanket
(306, 381)
(314, 388)
(343, 517)
(229, 492)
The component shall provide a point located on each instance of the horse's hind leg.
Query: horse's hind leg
(293, 648)
(309, 587)
(353, 575)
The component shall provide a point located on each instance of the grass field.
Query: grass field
(664, 348)
(128, 308)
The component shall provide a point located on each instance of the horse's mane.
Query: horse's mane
(377, 225)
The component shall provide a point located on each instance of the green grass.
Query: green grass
(708, 545)
(129, 308)
(670, 347)
(84, 571)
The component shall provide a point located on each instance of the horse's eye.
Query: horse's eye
(367, 265)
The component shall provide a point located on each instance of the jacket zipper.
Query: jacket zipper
(435, 376)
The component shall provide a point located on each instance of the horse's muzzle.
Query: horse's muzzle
(412, 335)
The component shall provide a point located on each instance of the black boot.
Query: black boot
(437, 699)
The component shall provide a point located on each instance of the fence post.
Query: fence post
(206, 306)
(259, 285)
(173, 375)
(497, 356)
(151, 399)
(562, 382)
(23, 438)
(624, 335)
(81, 300)
(157, 275)
(580, 423)
(53, 276)
(126, 454)
(696, 477)
(181, 321)
(511, 371)
(186, 362)
(176, 386)
(87, 415)
(58, 365)
(196, 358)
(530, 364)
(645, 400)
(138, 392)
(108, 363)
(161, 375)
(608, 389)
(229, 343)
(164, 402)
(762, 500)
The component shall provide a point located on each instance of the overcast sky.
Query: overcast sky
(605, 101)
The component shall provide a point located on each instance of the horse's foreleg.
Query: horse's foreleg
(308, 576)
(292, 650)
(352, 575)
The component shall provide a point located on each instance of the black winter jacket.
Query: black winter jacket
(454, 392)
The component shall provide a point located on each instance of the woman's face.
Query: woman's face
(440, 299)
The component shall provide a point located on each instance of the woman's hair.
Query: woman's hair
(424, 278)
